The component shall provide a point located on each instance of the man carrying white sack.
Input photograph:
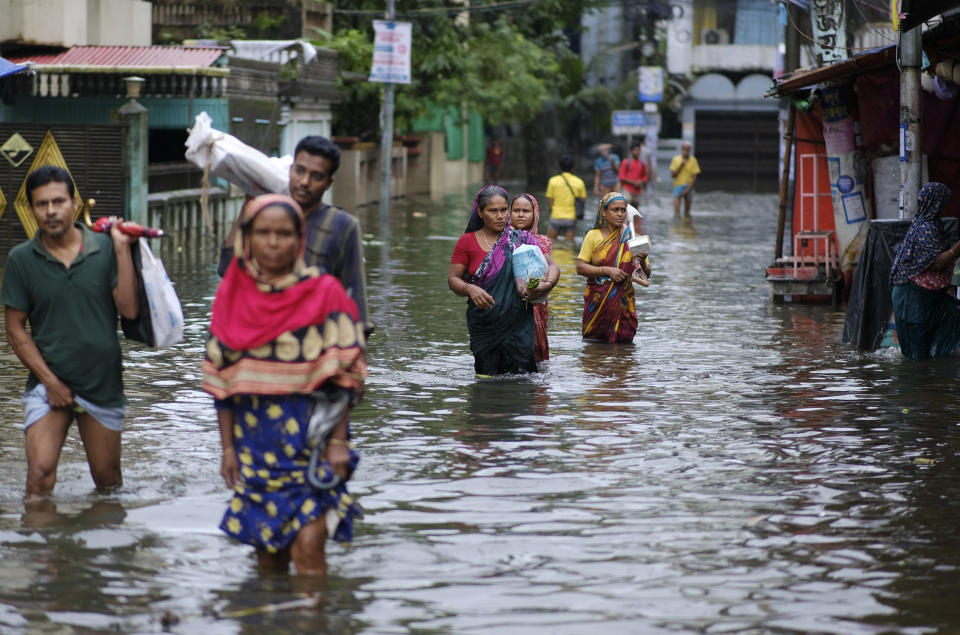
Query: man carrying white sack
(333, 235)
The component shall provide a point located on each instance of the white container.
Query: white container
(639, 246)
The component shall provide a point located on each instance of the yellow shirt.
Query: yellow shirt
(590, 243)
(687, 172)
(562, 207)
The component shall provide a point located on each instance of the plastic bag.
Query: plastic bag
(529, 264)
(229, 158)
(166, 315)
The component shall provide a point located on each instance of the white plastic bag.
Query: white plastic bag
(529, 264)
(166, 315)
(231, 159)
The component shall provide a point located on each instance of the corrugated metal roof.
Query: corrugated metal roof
(129, 57)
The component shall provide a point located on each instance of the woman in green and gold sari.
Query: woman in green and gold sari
(609, 314)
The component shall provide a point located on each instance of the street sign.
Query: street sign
(626, 122)
(650, 83)
(16, 149)
(391, 52)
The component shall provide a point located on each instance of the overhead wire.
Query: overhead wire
(821, 44)
(413, 13)
(870, 24)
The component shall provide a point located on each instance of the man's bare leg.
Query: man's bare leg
(569, 236)
(552, 234)
(44, 440)
(687, 199)
(102, 446)
(676, 207)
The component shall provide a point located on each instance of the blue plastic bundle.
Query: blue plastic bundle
(529, 264)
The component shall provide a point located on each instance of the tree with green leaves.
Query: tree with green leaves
(504, 60)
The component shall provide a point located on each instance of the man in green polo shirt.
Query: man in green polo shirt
(68, 283)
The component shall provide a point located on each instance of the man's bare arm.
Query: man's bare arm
(15, 323)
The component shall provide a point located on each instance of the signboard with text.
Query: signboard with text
(391, 52)
(650, 83)
(626, 122)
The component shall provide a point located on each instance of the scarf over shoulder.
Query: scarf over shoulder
(926, 239)
(286, 336)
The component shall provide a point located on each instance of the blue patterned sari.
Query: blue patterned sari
(274, 500)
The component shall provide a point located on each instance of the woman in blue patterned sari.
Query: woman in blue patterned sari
(499, 312)
(285, 361)
(928, 319)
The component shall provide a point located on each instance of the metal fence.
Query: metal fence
(179, 213)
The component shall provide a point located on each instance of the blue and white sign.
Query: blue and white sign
(626, 122)
(651, 83)
(391, 52)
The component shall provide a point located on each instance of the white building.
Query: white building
(76, 22)
(722, 54)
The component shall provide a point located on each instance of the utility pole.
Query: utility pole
(386, 143)
(135, 183)
(910, 54)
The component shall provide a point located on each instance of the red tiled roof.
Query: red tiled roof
(129, 56)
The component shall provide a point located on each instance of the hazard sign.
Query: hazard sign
(16, 149)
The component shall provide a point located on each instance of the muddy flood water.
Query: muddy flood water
(737, 470)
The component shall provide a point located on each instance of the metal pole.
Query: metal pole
(910, 154)
(386, 144)
(785, 181)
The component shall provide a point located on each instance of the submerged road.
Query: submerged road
(737, 470)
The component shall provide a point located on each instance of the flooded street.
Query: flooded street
(737, 470)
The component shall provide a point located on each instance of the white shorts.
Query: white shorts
(36, 405)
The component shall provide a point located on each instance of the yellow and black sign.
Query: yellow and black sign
(95, 156)
(48, 154)
(16, 150)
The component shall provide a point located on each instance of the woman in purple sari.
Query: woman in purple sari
(499, 314)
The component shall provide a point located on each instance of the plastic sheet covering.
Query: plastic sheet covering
(225, 156)
(9, 68)
(870, 303)
(529, 264)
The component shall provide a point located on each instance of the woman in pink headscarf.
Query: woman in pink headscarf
(525, 214)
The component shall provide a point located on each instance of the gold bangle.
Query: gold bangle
(337, 442)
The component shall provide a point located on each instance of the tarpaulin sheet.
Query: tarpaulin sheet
(9, 68)
(870, 305)
(879, 93)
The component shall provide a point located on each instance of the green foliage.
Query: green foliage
(207, 31)
(504, 64)
(264, 25)
(512, 77)
(358, 111)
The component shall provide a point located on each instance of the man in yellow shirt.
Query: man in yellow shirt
(563, 190)
(684, 170)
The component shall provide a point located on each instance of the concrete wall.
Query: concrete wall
(603, 29)
(118, 22)
(357, 181)
(732, 57)
(76, 22)
(55, 22)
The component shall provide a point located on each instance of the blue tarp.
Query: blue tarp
(9, 68)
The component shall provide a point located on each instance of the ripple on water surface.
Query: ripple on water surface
(737, 469)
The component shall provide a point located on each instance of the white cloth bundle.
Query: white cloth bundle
(229, 158)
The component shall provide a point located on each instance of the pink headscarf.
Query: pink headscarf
(545, 245)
